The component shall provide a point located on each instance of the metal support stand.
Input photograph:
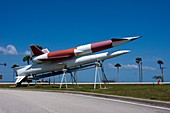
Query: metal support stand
(63, 78)
(76, 77)
(52, 73)
(104, 78)
(97, 74)
(72, 78)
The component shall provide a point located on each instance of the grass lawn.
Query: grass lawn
(153, 92)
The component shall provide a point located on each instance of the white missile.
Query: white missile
(48, 67)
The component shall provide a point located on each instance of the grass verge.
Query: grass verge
(152, 92)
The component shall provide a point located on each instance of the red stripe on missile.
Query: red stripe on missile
(62, 53)
(98, 46)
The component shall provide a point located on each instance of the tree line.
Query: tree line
(139, 62)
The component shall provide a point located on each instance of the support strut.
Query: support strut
(63, 78)
(100, 66)
(97, 74)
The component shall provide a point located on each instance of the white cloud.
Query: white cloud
(27, 53)
(149, 68)
(11, 50)
(132, 66)
(111, 65)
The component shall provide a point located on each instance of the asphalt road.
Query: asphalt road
(17, 101)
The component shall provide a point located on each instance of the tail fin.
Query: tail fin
(19, 79)
(35, 50)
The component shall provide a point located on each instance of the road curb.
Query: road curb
(123, 98)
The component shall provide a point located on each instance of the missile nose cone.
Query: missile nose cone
(132, 38)
(123, 52)
(127, 39)
(117, 53)
(120, 52)
(119, 41)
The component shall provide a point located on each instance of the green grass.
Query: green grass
(153, 92)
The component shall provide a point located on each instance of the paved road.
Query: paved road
(16, 101)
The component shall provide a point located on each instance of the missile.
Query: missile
(78, 51)
(25, 71)
(93, 58)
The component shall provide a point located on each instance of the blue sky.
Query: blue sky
(63, 24)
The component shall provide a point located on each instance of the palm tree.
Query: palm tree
(157, 77)
(139, 62)
(40, 47)
(160, 62)
(117, 66)
(27, 59)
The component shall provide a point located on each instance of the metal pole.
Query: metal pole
(95, 77)
(76, 78)
(99, 79)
